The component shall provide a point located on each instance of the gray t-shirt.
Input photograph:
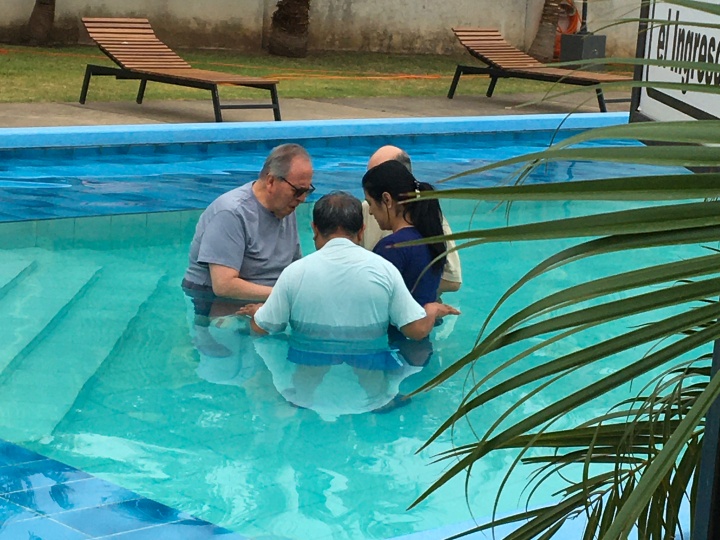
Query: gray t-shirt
(238, 232)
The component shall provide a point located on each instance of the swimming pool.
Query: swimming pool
(98, 322)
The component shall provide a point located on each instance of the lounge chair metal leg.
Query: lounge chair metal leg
(491, 88)
(601, 100)
(216, 103)
(275, 102)
(455, 81)
(141, 91)
(86, 84)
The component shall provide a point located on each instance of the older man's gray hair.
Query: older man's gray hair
(278, 162)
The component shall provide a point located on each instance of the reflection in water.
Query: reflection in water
(343, 387)
(330, 383)
(236, 362)
(30, 183)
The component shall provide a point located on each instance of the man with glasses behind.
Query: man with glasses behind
(245, 239)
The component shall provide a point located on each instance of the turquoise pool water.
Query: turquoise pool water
(117, 180)
(97, 368)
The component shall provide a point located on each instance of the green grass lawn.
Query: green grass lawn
(32, 74)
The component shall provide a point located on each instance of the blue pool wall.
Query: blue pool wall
(84, 136)
(121, 230)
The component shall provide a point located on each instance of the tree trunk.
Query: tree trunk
(289, 28)
(41, 22)
(544, 43)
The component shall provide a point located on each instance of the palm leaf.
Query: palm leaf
(648, 446)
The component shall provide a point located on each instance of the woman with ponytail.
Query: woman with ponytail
(387, 188)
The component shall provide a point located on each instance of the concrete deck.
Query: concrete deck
(184, 111)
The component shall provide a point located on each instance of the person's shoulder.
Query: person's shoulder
(409, 233)
(380, 262)
(301, 264)
(384, 241)
(291, 275)
(242, 194)
(403, 235)
(231, 199)
(242, 202)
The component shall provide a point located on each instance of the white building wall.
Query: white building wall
(203, 23)
(602, 16)
(408, 25)
(373, 25)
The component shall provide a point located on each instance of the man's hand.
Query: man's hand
(250, 310)
(422, 327)
(440, 310)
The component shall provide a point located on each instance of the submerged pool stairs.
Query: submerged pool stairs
(55, 335)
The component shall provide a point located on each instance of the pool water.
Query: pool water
(48, 183)
(93, 315)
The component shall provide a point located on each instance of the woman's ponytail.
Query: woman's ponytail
(426, 216)
(394, 178)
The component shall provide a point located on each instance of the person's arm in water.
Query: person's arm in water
(451, 279)
(249, 311)
(448, 286)
(227, 282)
(273, 316)
(421, 328)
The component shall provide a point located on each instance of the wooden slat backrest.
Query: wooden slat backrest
(132, 43)
(488, 45)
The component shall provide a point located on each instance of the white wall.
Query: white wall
(407, 25)
(210, 23)
(424, 25)
(376, 25)
(622, 38)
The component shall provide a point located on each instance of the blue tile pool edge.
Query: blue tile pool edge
(134, 508)
(80, 136)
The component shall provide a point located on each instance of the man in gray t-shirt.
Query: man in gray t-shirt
(247, 236)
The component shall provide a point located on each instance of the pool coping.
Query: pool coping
(84, 136)
(125, 513)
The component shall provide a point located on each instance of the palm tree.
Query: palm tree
(636, 464)
(41, 22)
(544, 43)
(289, 28)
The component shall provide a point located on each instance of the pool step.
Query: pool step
(130, 376)
(13, 270)
(44, 379)
(34, 299)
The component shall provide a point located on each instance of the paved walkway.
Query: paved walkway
(182, 111)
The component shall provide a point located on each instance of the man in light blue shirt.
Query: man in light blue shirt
(342, 292)
(340, 300)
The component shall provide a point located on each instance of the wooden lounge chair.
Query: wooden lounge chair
(502, 60)
(140, 55)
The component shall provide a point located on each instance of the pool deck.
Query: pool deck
(191, 111)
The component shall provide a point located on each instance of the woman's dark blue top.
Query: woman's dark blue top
(411, 261)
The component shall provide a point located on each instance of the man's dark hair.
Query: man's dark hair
(338, 210)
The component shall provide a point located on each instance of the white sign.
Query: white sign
(666, 40)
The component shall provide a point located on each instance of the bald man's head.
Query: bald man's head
(386, 153)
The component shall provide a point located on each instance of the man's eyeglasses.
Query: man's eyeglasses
(299, 191)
